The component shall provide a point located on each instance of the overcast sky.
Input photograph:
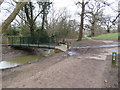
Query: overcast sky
(70, 5)
(60, 4)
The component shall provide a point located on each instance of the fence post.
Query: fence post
(12, 40)
(23, 40)
(38, 42)
(20, 40)
(28, 41)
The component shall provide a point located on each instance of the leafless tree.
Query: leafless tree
(107, 21)
(94, 14)
(83, 4)
(31, 18)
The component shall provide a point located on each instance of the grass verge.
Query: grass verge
(107, 36)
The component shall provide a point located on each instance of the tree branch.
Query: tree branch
(41, 11)
(78, 3)
(27, 13)
(23, 19)
(1, 1)
(12, 16)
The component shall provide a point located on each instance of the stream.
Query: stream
(10, 63)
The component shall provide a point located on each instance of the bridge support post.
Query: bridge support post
(28, 41)
(20, 40)
(12, 40)
(38, 42)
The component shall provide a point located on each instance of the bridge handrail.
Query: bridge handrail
(31, 40)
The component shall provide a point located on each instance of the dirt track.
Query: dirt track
(58, 71)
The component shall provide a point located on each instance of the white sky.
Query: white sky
(60, 4)
(70, 5)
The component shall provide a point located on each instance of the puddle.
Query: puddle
(26, 59)
(99, 46)
(5, 65)
(18, 61)
(70, 53)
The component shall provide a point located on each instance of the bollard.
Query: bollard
(67, 46)
(114, 57)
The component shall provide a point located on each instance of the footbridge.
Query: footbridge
(35, 42)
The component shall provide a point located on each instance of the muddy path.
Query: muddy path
(59, 71)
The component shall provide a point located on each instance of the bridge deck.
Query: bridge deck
(33, 45)
(62, 47)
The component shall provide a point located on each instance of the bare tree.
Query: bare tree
(45, 7)
(107, 22)
(31, 18)
(94, 14)
(117, 17)
(62, 26)
(29, 15)
(82, 19)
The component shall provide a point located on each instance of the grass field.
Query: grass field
(107, 36)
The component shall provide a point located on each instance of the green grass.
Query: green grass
(25, 59)
(107, 36)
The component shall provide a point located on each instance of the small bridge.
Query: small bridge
(35, 42)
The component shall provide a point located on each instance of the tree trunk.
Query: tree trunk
(82, 21)
(93, 29)
(108, 30)
(44, 6)
(12, 16)
(43, 20)
(32, 30)
(1, 1)
(29, 16)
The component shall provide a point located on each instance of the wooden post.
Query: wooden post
(114, 57)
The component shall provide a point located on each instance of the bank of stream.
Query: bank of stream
(18, 61)
(40, 53)
(36, 54)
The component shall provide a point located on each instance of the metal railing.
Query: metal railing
(32, 41)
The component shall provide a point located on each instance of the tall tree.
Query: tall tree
(31, 18)
(82, 19)
(94, 14)
(108, 23)
(45, 7)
